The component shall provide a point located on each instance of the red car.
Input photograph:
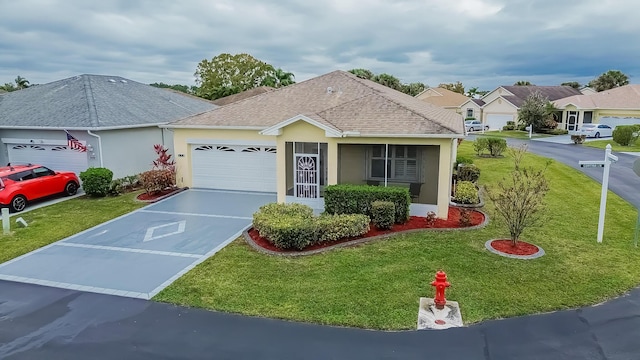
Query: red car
(20, 184)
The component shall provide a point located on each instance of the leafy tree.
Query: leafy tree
(178, 87)
(609, 80)
(573, 84)
(230, 73)
(518, 199)
(279, 78)
(474, 92)
(538, 111)
(388, 81)
(413, 89)
(20, 83)
(362, 73)
(455, 87)
(523, 83)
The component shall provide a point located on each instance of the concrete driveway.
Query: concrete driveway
(139, 254)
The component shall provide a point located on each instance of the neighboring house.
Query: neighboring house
(617, 106)
(502, 104)
(472, 109)
(332, 129)
(115, 121)
(242, 95)
(587, 91)
(444, 98)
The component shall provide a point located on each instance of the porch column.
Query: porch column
(333, 163)
(444, 179)
(281, 171)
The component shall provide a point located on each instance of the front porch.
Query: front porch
(415, 167)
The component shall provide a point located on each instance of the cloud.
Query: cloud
(482, 43)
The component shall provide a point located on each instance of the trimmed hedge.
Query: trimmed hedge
(96, 181)
(496, 146)
(383, 214)
(357, 199)
(294, 226)
(466, 193)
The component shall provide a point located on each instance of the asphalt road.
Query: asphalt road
(50, 323)
(622, 180)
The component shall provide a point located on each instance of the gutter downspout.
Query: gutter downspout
(99, 146)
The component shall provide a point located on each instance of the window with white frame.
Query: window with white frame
(470, 112)
(402, 163)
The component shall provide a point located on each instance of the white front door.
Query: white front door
(55, 157)
(234, 167)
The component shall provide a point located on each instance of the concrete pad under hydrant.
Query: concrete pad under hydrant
(430, 317)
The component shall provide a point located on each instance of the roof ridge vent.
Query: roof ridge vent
(329, 90)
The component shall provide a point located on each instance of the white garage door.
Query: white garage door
(497, 122)
(234, 167)
(55, 157)
(615, 121)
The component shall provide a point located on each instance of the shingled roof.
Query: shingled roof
(242, 95)
(337, 100)
(95, 102)
(623, 97)
(520, 93)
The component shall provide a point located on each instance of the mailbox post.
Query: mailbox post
(608, 159)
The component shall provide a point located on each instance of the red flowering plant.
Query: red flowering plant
(163, 175)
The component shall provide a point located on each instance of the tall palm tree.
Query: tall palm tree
(523, 83)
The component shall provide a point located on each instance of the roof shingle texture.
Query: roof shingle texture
(94, 102)
(623, 97)
(338, 100)
(446, 98)
(520, 93)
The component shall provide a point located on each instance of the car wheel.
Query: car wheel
(18, 203)
(597, 135)
(472, 129)
(71, 188)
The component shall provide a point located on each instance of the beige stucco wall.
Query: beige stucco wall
(182, 148)
(615, 113)
(301, 131)
(477, 110)
(495, 94)
(499, 107)
(597, 114)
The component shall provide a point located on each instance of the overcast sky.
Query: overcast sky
(483, 43)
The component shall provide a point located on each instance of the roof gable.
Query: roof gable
(442, 97)
(623, 97)
(94, 102)
(338, 100)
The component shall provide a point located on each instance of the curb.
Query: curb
(540, 252)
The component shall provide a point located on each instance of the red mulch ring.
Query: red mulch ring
(522, 248)
(156, 195)
(414, 223)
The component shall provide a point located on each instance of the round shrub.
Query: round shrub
(466, 193)
(623, 134)
(157, 180)
(383, 214)
(336, 227)
(96, 181)
(462, 160)
(468, 173)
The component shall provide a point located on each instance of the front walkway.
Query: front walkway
(141, 253)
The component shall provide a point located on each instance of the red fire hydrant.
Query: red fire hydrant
(441, 284)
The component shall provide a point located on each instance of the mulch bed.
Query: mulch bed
(522, 248)
(414, 223)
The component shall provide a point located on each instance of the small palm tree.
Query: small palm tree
(278, 78)
(21, 83)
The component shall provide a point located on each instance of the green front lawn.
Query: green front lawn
(516, 134)
(601, 144)
(58, 221)
(378, 285)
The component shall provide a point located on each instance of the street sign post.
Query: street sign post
(608, 159)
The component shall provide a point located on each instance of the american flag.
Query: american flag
(74, 143)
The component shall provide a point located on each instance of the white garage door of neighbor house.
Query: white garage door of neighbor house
(615, 121)
(497, 122)
(55, 157)
(234, 167)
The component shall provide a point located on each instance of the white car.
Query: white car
(596, 130)
(474, 125)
